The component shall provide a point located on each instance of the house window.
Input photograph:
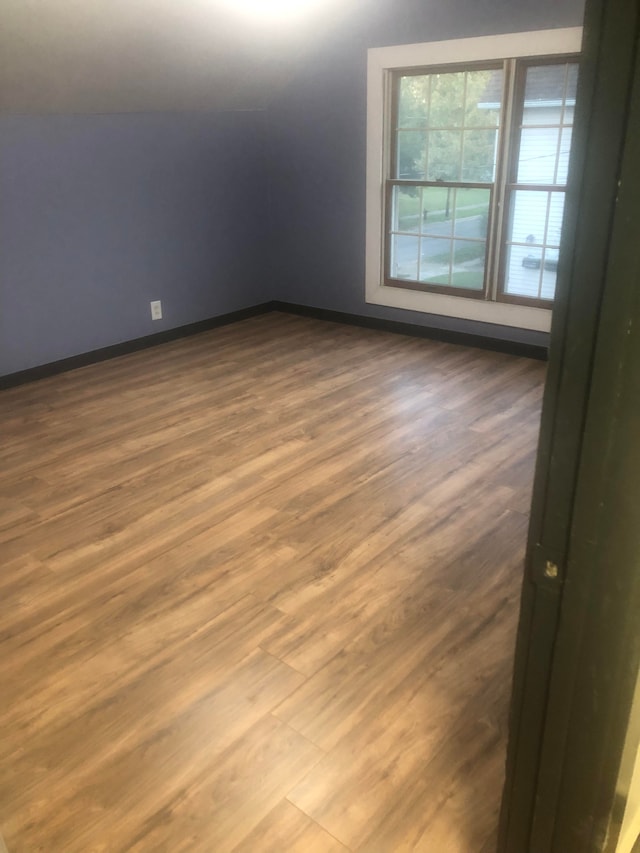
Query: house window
(472, 175)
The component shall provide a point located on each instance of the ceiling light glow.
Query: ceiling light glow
(274, 10)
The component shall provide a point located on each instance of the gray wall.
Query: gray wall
(316, 148)
(100, 214)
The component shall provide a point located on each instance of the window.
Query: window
(471, 178)
(445, 141)
(545, 96)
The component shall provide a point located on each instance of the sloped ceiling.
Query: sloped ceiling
(66, 56)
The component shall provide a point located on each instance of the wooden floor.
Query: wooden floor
(259, 591)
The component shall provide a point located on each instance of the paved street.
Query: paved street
(406, 246)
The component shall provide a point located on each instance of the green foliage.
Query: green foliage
(447, 136)
(470, 280)
(462, 253)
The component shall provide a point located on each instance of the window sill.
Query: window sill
(500, 313)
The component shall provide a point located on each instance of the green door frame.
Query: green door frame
(578, 647)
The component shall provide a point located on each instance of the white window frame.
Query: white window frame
(381, 62)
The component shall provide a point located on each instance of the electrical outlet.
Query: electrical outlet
(156, 310)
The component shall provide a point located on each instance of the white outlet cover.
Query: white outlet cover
(156, 310)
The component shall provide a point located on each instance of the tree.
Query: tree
(443, 132)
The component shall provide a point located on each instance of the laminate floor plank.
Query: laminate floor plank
(246, 783)
(287, 828)
(259, 591)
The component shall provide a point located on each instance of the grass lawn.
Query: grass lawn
(474, 202)
(469, 279)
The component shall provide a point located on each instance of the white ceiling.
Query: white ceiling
(142, 55)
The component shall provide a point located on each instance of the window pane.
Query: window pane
(472, 213)
(523, 272)
(479, 155)
(451, 100)
(404, 257)
(484, 98)
(538, 155)
(450, 107)
(412, 147)
(468, 264)
(406, 209)
(563, 159)
(444, 155)
(572, 83)
(437, 211)
(435, 262)
(447, 100)
(430, 216)
(413, 108)
(549, 274)
(459, 263)
(544, 94)
(535, 224)
(556, 216)
(528, 217)
(545, 139)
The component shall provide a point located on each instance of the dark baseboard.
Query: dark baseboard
(126, 347)
(462, 338)
(466, 339)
